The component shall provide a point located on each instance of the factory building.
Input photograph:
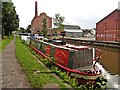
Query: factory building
(37, 22)
(108, 29)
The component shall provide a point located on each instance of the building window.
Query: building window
(102, 35)
(98, 35)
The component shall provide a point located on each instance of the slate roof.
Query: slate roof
(72, 30)
(71, 27)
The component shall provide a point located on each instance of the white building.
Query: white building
(73, 31)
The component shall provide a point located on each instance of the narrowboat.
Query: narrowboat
(79, 61)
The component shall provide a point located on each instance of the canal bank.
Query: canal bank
(110, 58)
(11, 73)
(92, 41)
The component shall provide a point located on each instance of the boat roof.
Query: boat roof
(77, 47)
(67, 46)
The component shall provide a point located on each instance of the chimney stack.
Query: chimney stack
(36, 12)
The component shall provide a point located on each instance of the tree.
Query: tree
(22, 30)
(28, 30)
(44, 27)
(10, 19)
(58, 20)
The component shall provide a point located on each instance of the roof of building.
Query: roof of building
(71, 27)
(43, 13)
(72, 30)
(108, 15)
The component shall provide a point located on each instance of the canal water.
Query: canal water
(110, 59)
(110, 65)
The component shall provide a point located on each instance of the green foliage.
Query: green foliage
(44, 27)
(62, 74)
(58, 20)
(5, 42)
(100, 84)
(30, 66)
(73, 82)
(23, 41)
(28, 30)
(10, 19)
(22, 30)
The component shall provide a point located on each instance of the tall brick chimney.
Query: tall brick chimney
(36, 11)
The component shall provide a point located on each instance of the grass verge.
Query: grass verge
(30, 65)
(5, 42)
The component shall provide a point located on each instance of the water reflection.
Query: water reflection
(110, 59)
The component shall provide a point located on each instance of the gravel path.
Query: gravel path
(12, 75)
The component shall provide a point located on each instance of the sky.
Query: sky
(85, 13)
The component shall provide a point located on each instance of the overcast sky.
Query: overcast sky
(85, 13)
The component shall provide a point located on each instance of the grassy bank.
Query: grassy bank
(30, 66)
(5, 42)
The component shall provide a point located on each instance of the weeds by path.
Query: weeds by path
(5, 42)
(30, 66)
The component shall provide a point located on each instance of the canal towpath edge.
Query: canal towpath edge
(11, 74)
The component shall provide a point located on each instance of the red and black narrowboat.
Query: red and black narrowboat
(77, 60)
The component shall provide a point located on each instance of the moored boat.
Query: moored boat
(79, 61)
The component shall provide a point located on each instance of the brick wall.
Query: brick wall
(38, 21)
(119, 26)
(108, 29)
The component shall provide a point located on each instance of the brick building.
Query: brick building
(108, 29)
(37, 22)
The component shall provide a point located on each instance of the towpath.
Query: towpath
(11, 75)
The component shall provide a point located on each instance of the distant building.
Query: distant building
(108, 29)
(71, 30)
(89, 32)
(37, 22)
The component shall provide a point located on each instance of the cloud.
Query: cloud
(81, 12)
